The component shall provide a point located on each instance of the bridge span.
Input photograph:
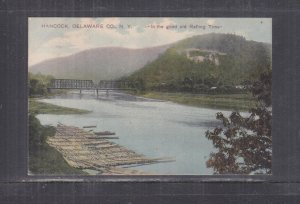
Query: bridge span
(90, 85)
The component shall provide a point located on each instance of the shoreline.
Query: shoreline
(233, 102)
(111, 170)
(39, 107)
(227, 102)
(82, 149)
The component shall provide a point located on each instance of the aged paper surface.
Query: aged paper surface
(150, 96)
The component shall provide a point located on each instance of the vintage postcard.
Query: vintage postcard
(149, 96)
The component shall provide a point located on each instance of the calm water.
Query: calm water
(150, 127)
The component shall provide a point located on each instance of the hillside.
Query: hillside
(99, 64)
(204, 61)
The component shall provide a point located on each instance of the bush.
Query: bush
(44, 159)
(38, 134)
(38, 83)
(244, 143)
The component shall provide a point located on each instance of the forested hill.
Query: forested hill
(104, 63)
(227, 43)
(203, 61)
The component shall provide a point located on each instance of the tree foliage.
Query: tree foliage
(244, 144)
(173, 71)
(44, 159)
(38, 134)
(37, 84)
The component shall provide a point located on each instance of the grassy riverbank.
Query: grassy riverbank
(44, 159)
(39, 107)
(47, 160)
(241, 102)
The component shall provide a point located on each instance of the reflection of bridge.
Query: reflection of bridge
(89, 85)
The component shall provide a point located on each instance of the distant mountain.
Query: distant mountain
(209, 60)
(100, 63)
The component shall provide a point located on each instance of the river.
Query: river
(150, 127)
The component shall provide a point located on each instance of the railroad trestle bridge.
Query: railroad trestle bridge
(79, 84)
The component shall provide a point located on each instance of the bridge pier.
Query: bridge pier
(97, 92)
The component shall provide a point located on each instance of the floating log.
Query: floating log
(90, 126)
(94, 138)
(83, 149)
(104, 133)
(109, 137)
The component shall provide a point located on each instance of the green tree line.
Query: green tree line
(38, 83)
(172, 71)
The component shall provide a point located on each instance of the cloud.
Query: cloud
(76, 40)
(211, 21)
(50, 43)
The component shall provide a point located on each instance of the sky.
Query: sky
(57, 37)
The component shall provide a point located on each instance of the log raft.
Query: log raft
(85, 150)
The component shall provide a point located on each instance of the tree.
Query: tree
(244, 143)
(37, 84)
(38, 134)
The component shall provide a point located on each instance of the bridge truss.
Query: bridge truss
(90, 85)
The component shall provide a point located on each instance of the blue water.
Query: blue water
(150, 127)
